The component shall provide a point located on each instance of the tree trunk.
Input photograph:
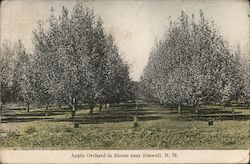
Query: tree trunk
(105, 106)
(197, 110)
(28, 107)
(136, 110)
(1, 109)
(179, 109)
(73, 111)
(72, 106)
(247, 103)
(100, 107)
(222, 106)
(135, 121)
(91, 109)
(47, 107)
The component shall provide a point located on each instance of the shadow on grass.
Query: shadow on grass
(122, 114)
(100, 120)
(209, 111)
(29, 114)
(23, 119)
(112, 115)
(238, 117)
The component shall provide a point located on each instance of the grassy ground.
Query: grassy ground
(159, 128)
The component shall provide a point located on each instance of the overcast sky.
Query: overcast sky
(134, 24)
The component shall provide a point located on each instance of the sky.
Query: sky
(135, 24)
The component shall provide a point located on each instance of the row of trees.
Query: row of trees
(74, 61)
(192, 64)
(14, 62)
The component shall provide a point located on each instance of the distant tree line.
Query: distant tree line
(74, 61)
(192, 64)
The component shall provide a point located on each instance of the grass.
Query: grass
(159, 128)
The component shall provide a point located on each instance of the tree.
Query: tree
(42, 67)
(118, 84)
(74, 59)
(242, 57)
(192, 64)
(6, 70)
(21, 86)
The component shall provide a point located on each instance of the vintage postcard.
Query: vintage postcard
(124, 81)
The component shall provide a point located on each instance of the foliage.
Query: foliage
(22, 77)
(77, 61)
(242, 55)
(192, 64)
(6, 70)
